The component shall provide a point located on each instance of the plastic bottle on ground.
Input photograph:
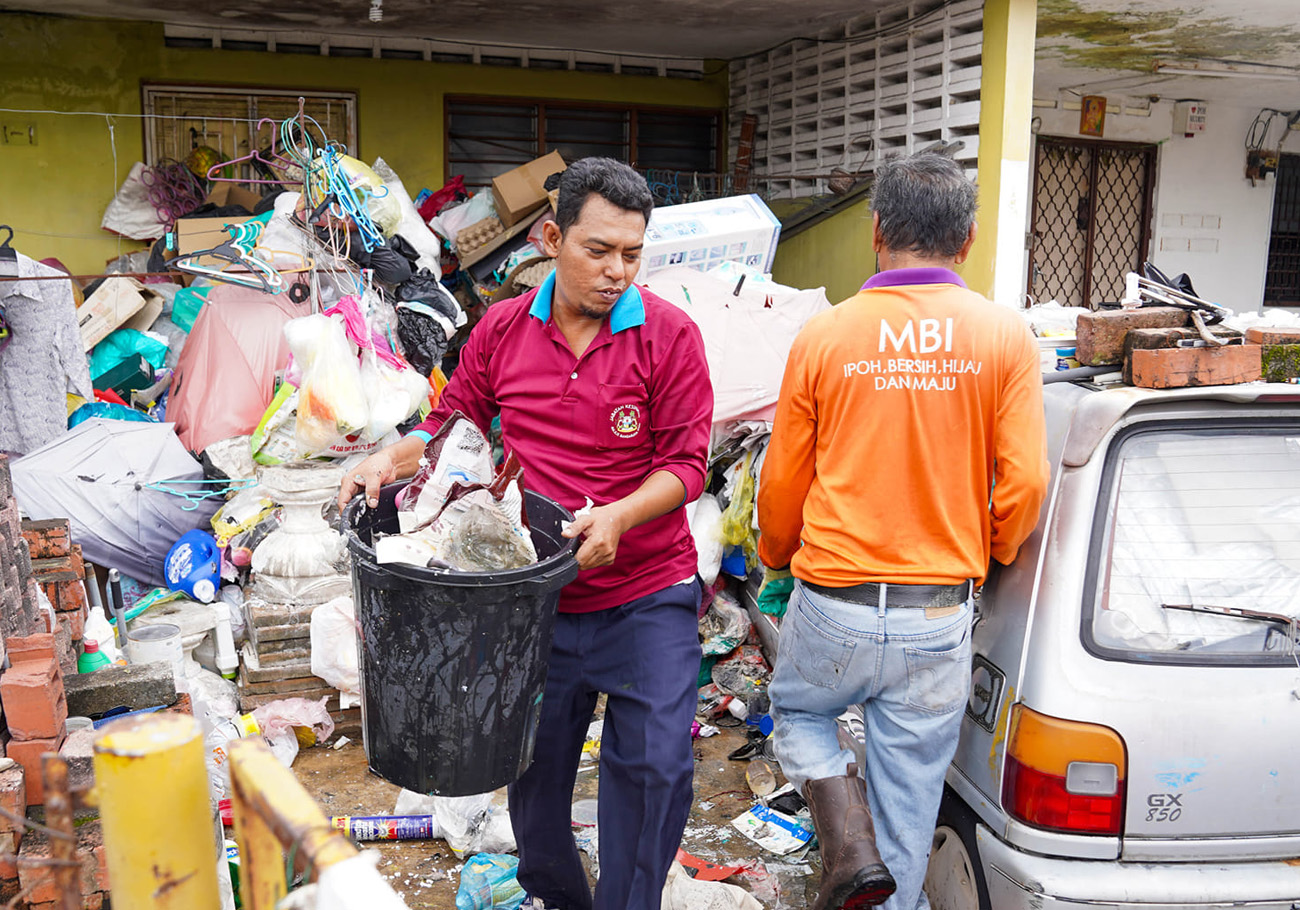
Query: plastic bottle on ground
(91, 658)
(193, 566)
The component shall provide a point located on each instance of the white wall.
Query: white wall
(1209, 221)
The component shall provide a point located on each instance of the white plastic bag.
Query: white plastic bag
(392, 395)
(131, 214)
(706, 529)
(334, 648)
(331, 398)
(355, 882)
(469, 824)
(681, 892)
(410, 225)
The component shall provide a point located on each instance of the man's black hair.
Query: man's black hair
(612, 180)
(926, 204)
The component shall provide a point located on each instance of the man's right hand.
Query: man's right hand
(377, 470)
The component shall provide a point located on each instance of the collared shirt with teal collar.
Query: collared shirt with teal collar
(628, 312)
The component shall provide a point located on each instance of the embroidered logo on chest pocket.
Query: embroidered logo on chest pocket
(625, 421)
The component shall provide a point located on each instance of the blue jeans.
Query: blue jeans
(911, 674)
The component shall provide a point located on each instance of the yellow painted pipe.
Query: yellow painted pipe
(157, 821)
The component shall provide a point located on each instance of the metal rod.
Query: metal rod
(119, 609)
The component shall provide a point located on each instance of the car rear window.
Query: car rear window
(1197, 555)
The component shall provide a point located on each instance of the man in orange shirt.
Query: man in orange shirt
(908, 449)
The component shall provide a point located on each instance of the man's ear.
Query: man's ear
(965, 247)
(877, 238)
(551, 237)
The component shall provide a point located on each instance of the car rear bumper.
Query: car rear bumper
(1025, 880)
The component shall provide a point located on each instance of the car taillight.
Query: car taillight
(1064, 775)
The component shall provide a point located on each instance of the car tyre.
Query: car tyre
(954, 879)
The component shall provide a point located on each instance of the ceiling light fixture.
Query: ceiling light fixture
(1176, 69)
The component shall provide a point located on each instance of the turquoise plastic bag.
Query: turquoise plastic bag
(186, 306)
(487, 882)
(123, 344)
(109, 410)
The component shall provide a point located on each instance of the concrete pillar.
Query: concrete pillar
(996, 267)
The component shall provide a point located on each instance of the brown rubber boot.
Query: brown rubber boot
(853, 875)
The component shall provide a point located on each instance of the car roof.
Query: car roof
(1097, 414)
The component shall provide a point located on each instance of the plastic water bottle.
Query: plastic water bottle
(193, 566)
(91, 658)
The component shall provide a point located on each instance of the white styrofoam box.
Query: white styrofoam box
(701, 235)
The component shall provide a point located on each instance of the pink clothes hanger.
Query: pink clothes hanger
(280, 163)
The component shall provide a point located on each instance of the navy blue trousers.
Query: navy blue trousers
(645, 656)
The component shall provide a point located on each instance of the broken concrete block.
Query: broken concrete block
(34, 703)
(1100, 335)
(136, 686)
(1280, 362)
(79, 752)
(13, 797)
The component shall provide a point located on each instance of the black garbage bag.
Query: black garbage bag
(425, 287)
(422, 335)
(390, 266)
(403, 247)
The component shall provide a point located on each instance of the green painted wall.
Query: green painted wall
(835, 254)
(54, 193)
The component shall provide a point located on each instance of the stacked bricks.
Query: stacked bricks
(1281, 351)
(276, 662)
(35, 706)
(59, 570)
(34, 869)
(19, 593)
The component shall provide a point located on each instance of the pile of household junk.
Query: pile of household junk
(209, 392)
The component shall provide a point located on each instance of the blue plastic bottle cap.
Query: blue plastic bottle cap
(1065, 352)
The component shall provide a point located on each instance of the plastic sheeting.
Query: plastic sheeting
(747, 338)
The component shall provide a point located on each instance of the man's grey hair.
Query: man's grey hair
(926, 204)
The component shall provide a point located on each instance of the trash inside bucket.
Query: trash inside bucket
(453, 663)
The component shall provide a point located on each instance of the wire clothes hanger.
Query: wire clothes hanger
(264, 160)
(8, 269)
(241, 250)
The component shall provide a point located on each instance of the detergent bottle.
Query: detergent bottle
(193, 566)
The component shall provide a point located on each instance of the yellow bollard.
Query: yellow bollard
(157, 821)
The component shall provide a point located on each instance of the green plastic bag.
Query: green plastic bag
(273, 441)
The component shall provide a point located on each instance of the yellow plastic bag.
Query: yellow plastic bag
(738, 517)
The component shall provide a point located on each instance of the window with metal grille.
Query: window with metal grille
(181, 117)
(489, 136)
(1282, 280)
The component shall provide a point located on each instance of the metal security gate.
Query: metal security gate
(1282, 280)
(1091, 219)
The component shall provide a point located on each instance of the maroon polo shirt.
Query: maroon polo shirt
(637, 401)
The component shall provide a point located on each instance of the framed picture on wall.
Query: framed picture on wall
(1092, 116)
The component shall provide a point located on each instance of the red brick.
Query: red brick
(34, 702)
(10, 523)
(13, 798)
(8, 858)
(6, 482)
(94, 862)
(28, 754)
(93, 901)
(1100, 335)
(1176, 368)
(66, 596)
(55, 568)
(39, 646)
(49, 537)
(76, 621)
(1272, 335)
(35, 853)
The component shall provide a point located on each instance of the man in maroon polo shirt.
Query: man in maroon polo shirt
(604, 394)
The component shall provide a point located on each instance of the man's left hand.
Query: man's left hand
(600, 530)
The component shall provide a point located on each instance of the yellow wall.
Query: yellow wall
(54, 193)
(835, 254)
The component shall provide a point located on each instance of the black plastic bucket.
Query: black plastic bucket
(453, 664)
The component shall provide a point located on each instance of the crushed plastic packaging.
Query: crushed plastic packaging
(469, 824)
(458, 514)
(725, 625)
(284, 714)
(355, 882)
(705, 519)
(488, 882)
(681, 892)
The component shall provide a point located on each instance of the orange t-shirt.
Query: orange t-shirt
(909, 442)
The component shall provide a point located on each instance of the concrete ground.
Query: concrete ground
(426, 873)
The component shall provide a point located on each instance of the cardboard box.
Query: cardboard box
(701, 235)
(193, 234)
(234, 194)
(116, 304)
(522, 191)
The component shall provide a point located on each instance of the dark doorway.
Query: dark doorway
(1091, 219)
(1282, 279)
